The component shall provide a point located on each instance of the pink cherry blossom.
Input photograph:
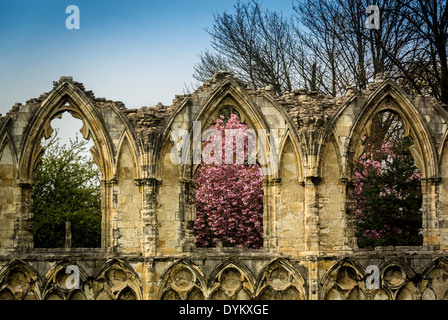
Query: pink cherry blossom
(229, 196)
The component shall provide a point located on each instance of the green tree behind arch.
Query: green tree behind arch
(388, 193)
(66, 188)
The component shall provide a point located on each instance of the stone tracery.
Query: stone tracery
(147, 206)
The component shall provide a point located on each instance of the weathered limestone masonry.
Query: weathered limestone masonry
(148, 249)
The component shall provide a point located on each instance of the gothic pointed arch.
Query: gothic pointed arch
(292, 132)
(182, 280)
(127, 294)
(57, 278)
(21, 280)
(439, 262)
(114, 276)
(434, 285)
(333, 148)
(6, 294)
(127, 141)
(8, 180)
(8, 151)
(442, 147)
(287, 229)
(390, 97)
(341, 279)
(66, 96)
(405, 269)
(128, 206)
(54, 295)
(231, 93)
(228, 95)
(231, 280)
(279, 280)
(76, 295)
(288, 140)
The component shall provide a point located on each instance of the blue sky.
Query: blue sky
(138, 52)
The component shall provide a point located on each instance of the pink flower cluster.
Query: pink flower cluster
(367, 165)
(229, 197)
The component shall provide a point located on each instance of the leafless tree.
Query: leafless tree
(209, 64)
(411, 41)
(259, 46)
(426, 68)
(327, 47)
(321, 37)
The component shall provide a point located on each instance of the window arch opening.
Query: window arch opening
(388, 193)
(66, 190)
(229, 188)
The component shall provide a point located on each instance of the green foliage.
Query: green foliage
(389, 197)
(66, 188)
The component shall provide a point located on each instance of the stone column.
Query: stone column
(350, 220)
(271, 192)
(107, 207)
(23, 227)
(68, 235)
(187, 215)
(311, 215)
(150, 190)
(430, 205)
(313, 278)
(312, 237)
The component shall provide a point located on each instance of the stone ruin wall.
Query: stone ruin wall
(148, 249)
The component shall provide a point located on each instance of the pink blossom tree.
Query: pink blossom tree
(229, 192)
